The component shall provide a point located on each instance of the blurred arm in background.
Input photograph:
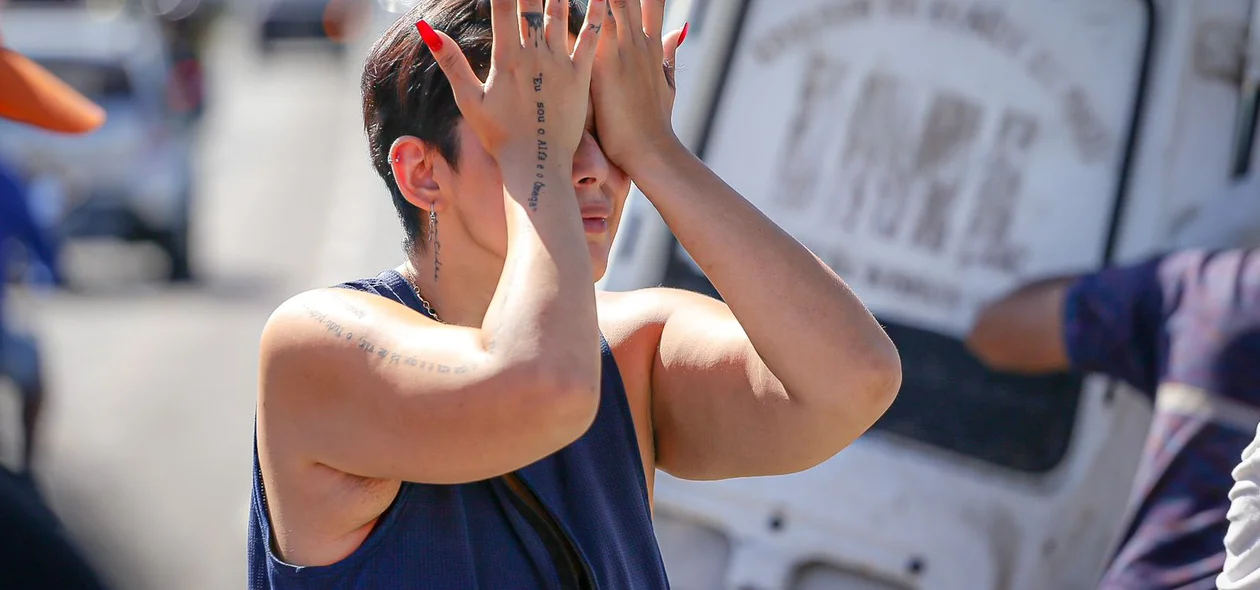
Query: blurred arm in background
(1104, 322)
(1170, 327)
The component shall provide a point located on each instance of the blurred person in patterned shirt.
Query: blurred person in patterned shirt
(1184, 329)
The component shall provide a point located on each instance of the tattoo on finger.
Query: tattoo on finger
(534, 22)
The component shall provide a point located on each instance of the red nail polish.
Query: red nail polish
(429, 36)
(683, 35)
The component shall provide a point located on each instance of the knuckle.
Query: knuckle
(448, 60)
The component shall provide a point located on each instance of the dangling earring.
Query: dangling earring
(437, 245)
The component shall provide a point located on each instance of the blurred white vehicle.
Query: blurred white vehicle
(131, 179)
(938, 153)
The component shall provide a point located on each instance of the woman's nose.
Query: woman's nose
(590, 165)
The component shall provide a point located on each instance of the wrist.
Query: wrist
(531, 183)
(530, 168)
(653, 159)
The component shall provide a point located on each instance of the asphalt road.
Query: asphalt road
(147, 440)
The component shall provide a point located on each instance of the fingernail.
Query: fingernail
(683, 35)
(429, 36)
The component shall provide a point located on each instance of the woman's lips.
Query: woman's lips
(595, 225)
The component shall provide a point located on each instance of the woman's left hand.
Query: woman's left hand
(633, 81)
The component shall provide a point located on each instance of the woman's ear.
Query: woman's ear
(413, 163)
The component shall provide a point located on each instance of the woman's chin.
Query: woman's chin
(599, 260)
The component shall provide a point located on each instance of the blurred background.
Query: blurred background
(231, 174)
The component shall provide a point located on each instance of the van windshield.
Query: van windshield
(936, 175)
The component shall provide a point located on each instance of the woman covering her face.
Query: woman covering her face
(480, 417)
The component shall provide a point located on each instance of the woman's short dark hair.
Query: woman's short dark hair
(406, 93)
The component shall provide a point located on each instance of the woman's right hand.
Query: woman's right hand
(532, 107)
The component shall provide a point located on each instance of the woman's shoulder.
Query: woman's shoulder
(627, 321)
(633, 321)
(318, 319)
(624, 314)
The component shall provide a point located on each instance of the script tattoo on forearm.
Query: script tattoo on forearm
(534, 22)
(380, 353)
(536, 192)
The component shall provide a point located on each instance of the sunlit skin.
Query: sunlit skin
(746, 386)
(471, 217)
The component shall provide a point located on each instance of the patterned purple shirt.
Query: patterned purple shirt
(1192, 319)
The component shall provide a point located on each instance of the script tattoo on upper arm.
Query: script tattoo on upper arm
(354, 310)
(345, 334)
(332, 327)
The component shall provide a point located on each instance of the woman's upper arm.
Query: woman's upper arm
(369, 387)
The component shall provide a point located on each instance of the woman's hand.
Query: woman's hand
(532, 106)
(633, 82)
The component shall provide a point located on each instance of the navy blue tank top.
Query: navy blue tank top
(482, 535)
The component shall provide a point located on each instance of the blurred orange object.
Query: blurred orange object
(344, 20)
(32, 95)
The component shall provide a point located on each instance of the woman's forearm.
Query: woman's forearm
(809, 328)
(543, 311)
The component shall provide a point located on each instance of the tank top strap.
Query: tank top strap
(391, 285)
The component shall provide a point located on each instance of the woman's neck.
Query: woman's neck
(461, 290)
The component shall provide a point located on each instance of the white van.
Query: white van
(938, 153)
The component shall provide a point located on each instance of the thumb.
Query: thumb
(672, 40)
(669, 44)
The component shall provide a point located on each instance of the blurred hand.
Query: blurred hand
(536, 91)
(633, 82)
